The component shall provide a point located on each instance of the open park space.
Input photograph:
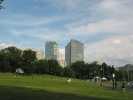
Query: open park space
(45, 87)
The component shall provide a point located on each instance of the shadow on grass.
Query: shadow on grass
(18, 93)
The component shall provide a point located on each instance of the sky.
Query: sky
(104, 26)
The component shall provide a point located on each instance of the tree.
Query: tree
(54, 67)
(42, 67)
(68, 72)
(13, 55)
(28, 60)
(29, 56)
(1, 1)
(11, 58)
(79, 69)
(4, 63)
(107, 70)
(94, 69)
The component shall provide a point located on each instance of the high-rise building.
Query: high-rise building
(74, 52)
(51, 50)
(61, 57)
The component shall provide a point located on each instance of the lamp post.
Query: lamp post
(114, 81)
(123, 82)
(101, 72)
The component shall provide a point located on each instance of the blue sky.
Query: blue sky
(104, 26)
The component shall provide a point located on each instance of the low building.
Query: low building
(40, 54)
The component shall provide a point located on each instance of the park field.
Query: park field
(45, 87)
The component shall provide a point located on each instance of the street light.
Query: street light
(101, 75)
(114, 81)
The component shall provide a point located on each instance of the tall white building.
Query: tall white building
(61, 57)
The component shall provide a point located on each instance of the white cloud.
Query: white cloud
(70, 5)
(107, 26)
(114, 50)
(25, 20)
(117, 19)
(5, 45)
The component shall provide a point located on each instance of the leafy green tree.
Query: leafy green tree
(4, 63)
(119, 74)
(12, 57)
(28, 60)
(107, 70)
(29, 56)
(94, 69)
(68, 72)
(54, 67)
(79, 69)
(88, 71)
(1, 1)
(42, 67)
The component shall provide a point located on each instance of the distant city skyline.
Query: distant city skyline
(104, 26)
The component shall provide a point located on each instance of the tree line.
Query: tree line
(12, 58)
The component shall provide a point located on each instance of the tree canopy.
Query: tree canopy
(1, 1)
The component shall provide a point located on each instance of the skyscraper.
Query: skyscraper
(51, 50)
(74, 52)
(61, 57)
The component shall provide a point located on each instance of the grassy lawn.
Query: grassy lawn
(45, 87)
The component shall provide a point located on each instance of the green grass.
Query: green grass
(45, 87)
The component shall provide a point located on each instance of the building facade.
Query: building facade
(51, 50)
(61, 57)
(40, 54)
(74, 52)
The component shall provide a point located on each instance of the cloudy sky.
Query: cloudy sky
(104, 26)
